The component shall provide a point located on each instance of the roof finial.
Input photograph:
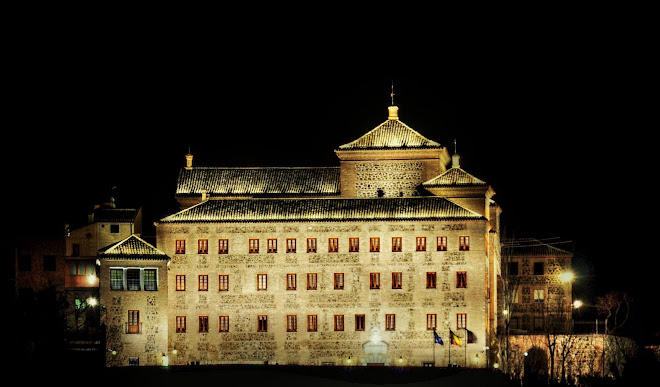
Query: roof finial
(392, 93)
(455, 158)
(189, 159)
(454, 146)
(393, 111)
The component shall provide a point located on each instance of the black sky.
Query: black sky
(556, 120)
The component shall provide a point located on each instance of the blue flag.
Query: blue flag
(437, 339)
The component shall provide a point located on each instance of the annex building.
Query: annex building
(355, 264)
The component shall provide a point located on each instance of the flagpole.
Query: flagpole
(466, 343)
(451, 342)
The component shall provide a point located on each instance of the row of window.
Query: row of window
(333, 245)
(312, 281)
(134, 278)
(25, 262)
(291, 322)
(538, 268)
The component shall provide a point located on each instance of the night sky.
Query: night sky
(558, 125)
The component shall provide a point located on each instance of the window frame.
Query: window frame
(291, 281)
(180, 246)
(374, 280)
(360, 324)
(133, 322)
(292, 323)
(463, 243)
(397, 280)
(431, 280)
(397, 244)
(338, 282)
(271, 245)
(262, 281)
(203, 283)
(223, 323)
(353, 245)
(223, 282)
(461, 279)
(312, 323)
(202, 246)
(203, 324)
(253, 246)
(311, 245)
(262, 323)
(390, 322)
(441, 243)
(338, 322)
(333, 245)
(180, 283)
(420, 243)
(374, 244)
(180, 324)
(223, 246)
(312, 281)
(291, 245)
(431, 321)
(461, 321)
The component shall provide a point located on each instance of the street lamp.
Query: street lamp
(566, 277)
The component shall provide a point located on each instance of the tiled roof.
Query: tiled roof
(115, 214)
(391, 134)
(132, 247)
(321, 210)
(532, 248)
(453, 177)
(259, 181)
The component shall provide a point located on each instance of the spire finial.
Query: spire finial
(455, 146)
(392, 93)
(455, 158)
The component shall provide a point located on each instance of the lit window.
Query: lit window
(420, 244)
(311, 323)
(203, 283)
(431, 282)
(180, 246)
(223, 282)
(461, 320)
(359, 322)
(397, 280)
(223, 324)
(116, 279)
(203, 324)
(374, 280)
(223, 246)
(202, 246)
(431, 321)
(149, 279)
(464, 243)
(291, 323)
(339, 281)
(353, 245)
(339, 322)
(311, 281)
(461, 279)
(291, 245)
(253, 245)
(180, 282)
(311, 245)
(133, 325)
(374, 245)
(180, 324)
(390, 322)
(272, 245)
(442, 243)
(333, 245)
(290, 282)
(262, 281)
(396, 244)
(262, 323)
(538, 295)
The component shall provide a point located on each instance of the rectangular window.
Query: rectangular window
(339, 322)
(223, 282)
(49, 263)
(333, 245)
(311, 281)
(114, 229)
(339, 281)
(311, 245)
(202, 246)
(538, 296)
(463, 243)
(180, 324)
(262, 323)
(442, 243)
(359, 322)
(431, 280)
(291, 245)
(513, 323)
(291, 323)
(390, 322)
(223, 324)
(203, 324)
(116, 279)
(396, 244)
(431, 321)
(223, 246)
(203, 283)
(374, 280)
(461, 320)
(290, 282)
(271, 246)
(253, 245)
(513, 268)
(374, 245)
(420, 244)
(133, 361)
(397, 280)
(353, 245)
(538, 268)
(180, 282)
(133, 279)
(461, 279)
(149, 279)
(133, 321)
(262, 281)
(311, 323)
(180, 246)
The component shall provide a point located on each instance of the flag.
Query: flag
(455, 339)
(471, 338)
(437, 339)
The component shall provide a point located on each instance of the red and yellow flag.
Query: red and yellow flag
(455, 340)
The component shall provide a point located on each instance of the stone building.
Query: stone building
(351, 265)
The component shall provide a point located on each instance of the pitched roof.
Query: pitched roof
(452, 177)
(259, 181)
(322, 210)
(133, 247)
(389, 135)
(532, 248)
